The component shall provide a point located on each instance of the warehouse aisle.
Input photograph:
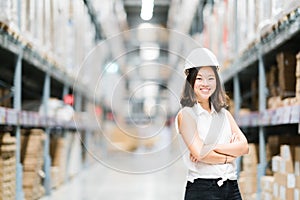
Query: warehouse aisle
(100, 182)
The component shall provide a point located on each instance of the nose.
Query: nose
(204, 82)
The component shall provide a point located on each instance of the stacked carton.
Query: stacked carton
(283, 81)
(253, 21)
(8, 11)
(7, 167)
(58, 155)
(298, 78)
(266, 183)
(297, 172)
(60, 31)
(284, 177)
(32, 151)
(248, 175)
(286, 73)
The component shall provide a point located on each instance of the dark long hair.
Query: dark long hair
(188, 98)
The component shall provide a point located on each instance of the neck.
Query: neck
(205, 105)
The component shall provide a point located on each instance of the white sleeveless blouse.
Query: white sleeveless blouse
(204, 170)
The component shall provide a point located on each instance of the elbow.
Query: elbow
(246, 148)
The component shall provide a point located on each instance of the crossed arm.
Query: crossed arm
(221, 153)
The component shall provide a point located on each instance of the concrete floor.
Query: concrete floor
(132, 176)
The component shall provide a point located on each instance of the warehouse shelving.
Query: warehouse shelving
(252, 64)
(271, 117)
(13, 42)
(30, 73)
(9, 116)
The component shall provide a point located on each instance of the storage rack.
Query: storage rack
(283, 35)
(25, 68)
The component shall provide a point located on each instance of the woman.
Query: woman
(209, 131)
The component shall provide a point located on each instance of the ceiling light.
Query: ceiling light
(147, 9)
(112, 68)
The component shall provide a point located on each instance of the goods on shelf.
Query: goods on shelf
(266, 183)
(32, 149)
(255, 20)
(247, 180)
(7, 167)
(58, 153)
(282, 179)
(284, 176)
(5, 97)
(8, 11)
(286, 74)
(58, 110)
(282, 81)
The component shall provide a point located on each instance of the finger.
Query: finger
(191, 157)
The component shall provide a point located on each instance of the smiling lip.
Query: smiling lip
(205, 89)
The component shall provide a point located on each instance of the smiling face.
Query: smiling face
(205, 84)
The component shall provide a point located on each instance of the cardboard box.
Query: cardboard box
(286, 193)
(266, 183)
(286, 152)
(297, 160)
(266, 196)
(276, 163)
(276, 189)
(247, 185)
(287, 73)
(297, 183)
(286, 180)
(297, 168)
(252, 156)
(286, 166)
(296, 194)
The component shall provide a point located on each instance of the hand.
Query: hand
(230, 159)
(193, 159)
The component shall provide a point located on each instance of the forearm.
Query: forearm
(233, 149)
(214, 157)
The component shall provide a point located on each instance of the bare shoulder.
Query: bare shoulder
(185, 113)
(179, 116)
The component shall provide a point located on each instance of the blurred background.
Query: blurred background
(89, 91)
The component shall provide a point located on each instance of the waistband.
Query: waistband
(212, 180)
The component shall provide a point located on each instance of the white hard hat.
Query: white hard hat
(200, 57)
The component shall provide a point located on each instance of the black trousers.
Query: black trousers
(208, 189)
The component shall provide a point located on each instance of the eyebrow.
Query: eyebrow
(208, 75)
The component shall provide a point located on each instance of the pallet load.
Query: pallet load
(248, 180)
(32, 150)
(58, 155)
(7, 167)
(283, 173)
